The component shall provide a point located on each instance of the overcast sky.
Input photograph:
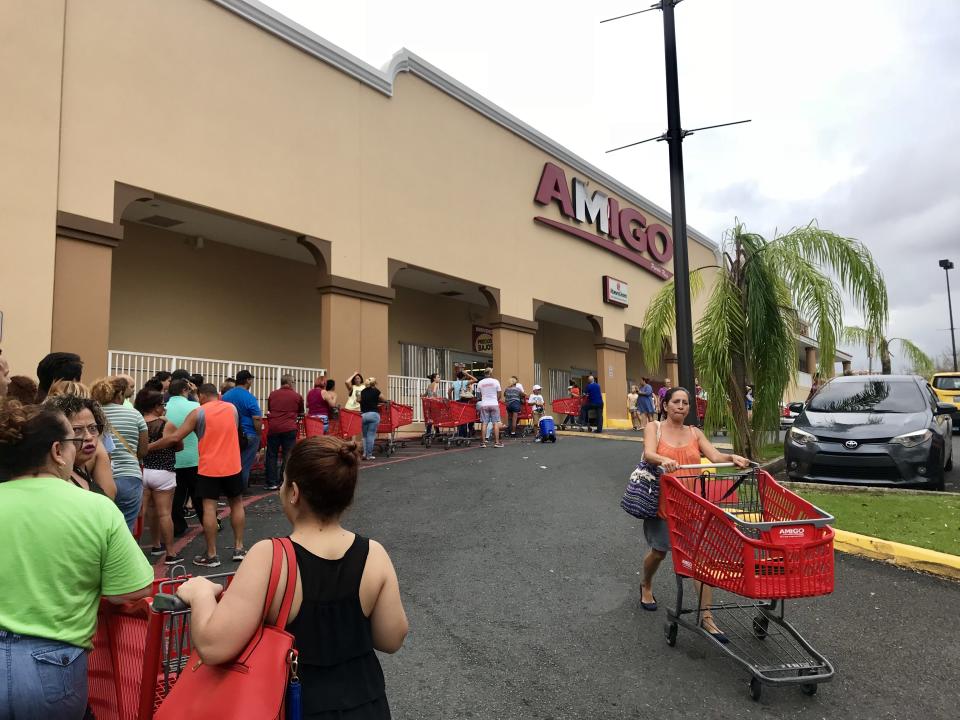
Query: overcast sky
(854, 107)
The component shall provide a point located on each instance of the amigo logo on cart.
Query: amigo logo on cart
(792, 532)
(622, 231)
(687, 564)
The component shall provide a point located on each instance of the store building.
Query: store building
(207, 179)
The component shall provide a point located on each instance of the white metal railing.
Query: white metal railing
(143, 366)
(408, 391)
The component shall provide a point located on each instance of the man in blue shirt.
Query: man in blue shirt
(594, 402)
(250, 415)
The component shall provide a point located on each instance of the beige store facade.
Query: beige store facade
(207, 179)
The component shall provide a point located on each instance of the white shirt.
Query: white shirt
(488, 389)
(521, 388)
(535, 399)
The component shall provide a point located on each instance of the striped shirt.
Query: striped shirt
(126, 424)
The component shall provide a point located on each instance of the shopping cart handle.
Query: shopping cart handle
(714, 465)
(164, 602)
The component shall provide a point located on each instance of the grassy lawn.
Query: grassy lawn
(929, 521)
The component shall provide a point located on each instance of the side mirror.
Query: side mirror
(945, 409)
(796, 407)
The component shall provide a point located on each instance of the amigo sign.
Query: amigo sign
(624, 232)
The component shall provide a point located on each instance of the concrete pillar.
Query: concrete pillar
(811, 360)
(31, 70)
(513, 349)
(846, 366)
(612, 376)
(82, 281)
(673, 368)
(354, 331)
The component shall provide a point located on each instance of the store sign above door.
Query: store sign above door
(622, 231)
(615, 292)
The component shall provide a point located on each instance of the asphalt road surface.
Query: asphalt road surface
(519, 573)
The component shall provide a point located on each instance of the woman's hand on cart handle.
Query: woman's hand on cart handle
(669, 465)
(740, 461)
(197, 587)
(164, 602)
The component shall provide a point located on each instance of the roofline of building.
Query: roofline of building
(813, 342)
(404, 60)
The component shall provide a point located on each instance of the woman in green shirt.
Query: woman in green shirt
(64, 549)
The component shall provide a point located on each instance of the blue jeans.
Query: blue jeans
(41, 679)
(370, 422)
(129, 497)
(247, 456)
(278, 441)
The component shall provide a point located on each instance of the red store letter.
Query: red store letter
(553, 186)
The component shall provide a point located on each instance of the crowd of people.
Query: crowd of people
(91, 460)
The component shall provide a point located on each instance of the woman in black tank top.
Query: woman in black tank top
(347, 604)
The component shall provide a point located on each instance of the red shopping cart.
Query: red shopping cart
(748, 535)
(348, 424)
(312, 426)
(447, 415)
(393, 416)
(569, 407)
(138, 653)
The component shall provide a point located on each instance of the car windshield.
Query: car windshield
(878, 396)
(947, 382)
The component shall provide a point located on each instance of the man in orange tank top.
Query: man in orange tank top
(217, 426)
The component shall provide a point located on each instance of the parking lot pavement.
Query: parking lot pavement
(519, 573)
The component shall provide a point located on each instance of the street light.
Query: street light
(947, 266)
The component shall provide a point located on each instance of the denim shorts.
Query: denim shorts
(489, 414)
(41, 679)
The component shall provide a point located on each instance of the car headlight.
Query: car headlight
(801, 437)
(913, 439)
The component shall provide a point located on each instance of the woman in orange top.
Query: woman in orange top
(678, 444)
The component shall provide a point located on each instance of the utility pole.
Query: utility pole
(947, 266)
(678, 208)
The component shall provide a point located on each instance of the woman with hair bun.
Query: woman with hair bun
(347, 602)
(64, 549)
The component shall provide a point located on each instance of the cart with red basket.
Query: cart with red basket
(569, 407)
(447, 415)
(748, 535)
(393, 416)
(347, 424)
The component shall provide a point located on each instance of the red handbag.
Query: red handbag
(254, 686)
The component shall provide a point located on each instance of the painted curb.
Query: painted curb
(907, 556)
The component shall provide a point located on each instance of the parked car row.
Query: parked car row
(877, 430)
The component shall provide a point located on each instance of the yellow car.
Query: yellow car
(947, 387)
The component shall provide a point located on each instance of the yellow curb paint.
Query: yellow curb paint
(916, 558)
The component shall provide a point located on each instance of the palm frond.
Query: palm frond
(921, 362)
(660, 319)
(854, 335)
(814, 295)
(851, 262)
(770, 344)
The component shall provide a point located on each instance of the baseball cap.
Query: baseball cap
(243, 376)
(537, 387)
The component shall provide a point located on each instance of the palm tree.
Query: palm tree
(874, 342)
(747, 332)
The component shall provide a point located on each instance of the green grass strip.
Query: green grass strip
(928, 521)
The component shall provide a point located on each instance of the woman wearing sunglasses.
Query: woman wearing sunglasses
(64, 549)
